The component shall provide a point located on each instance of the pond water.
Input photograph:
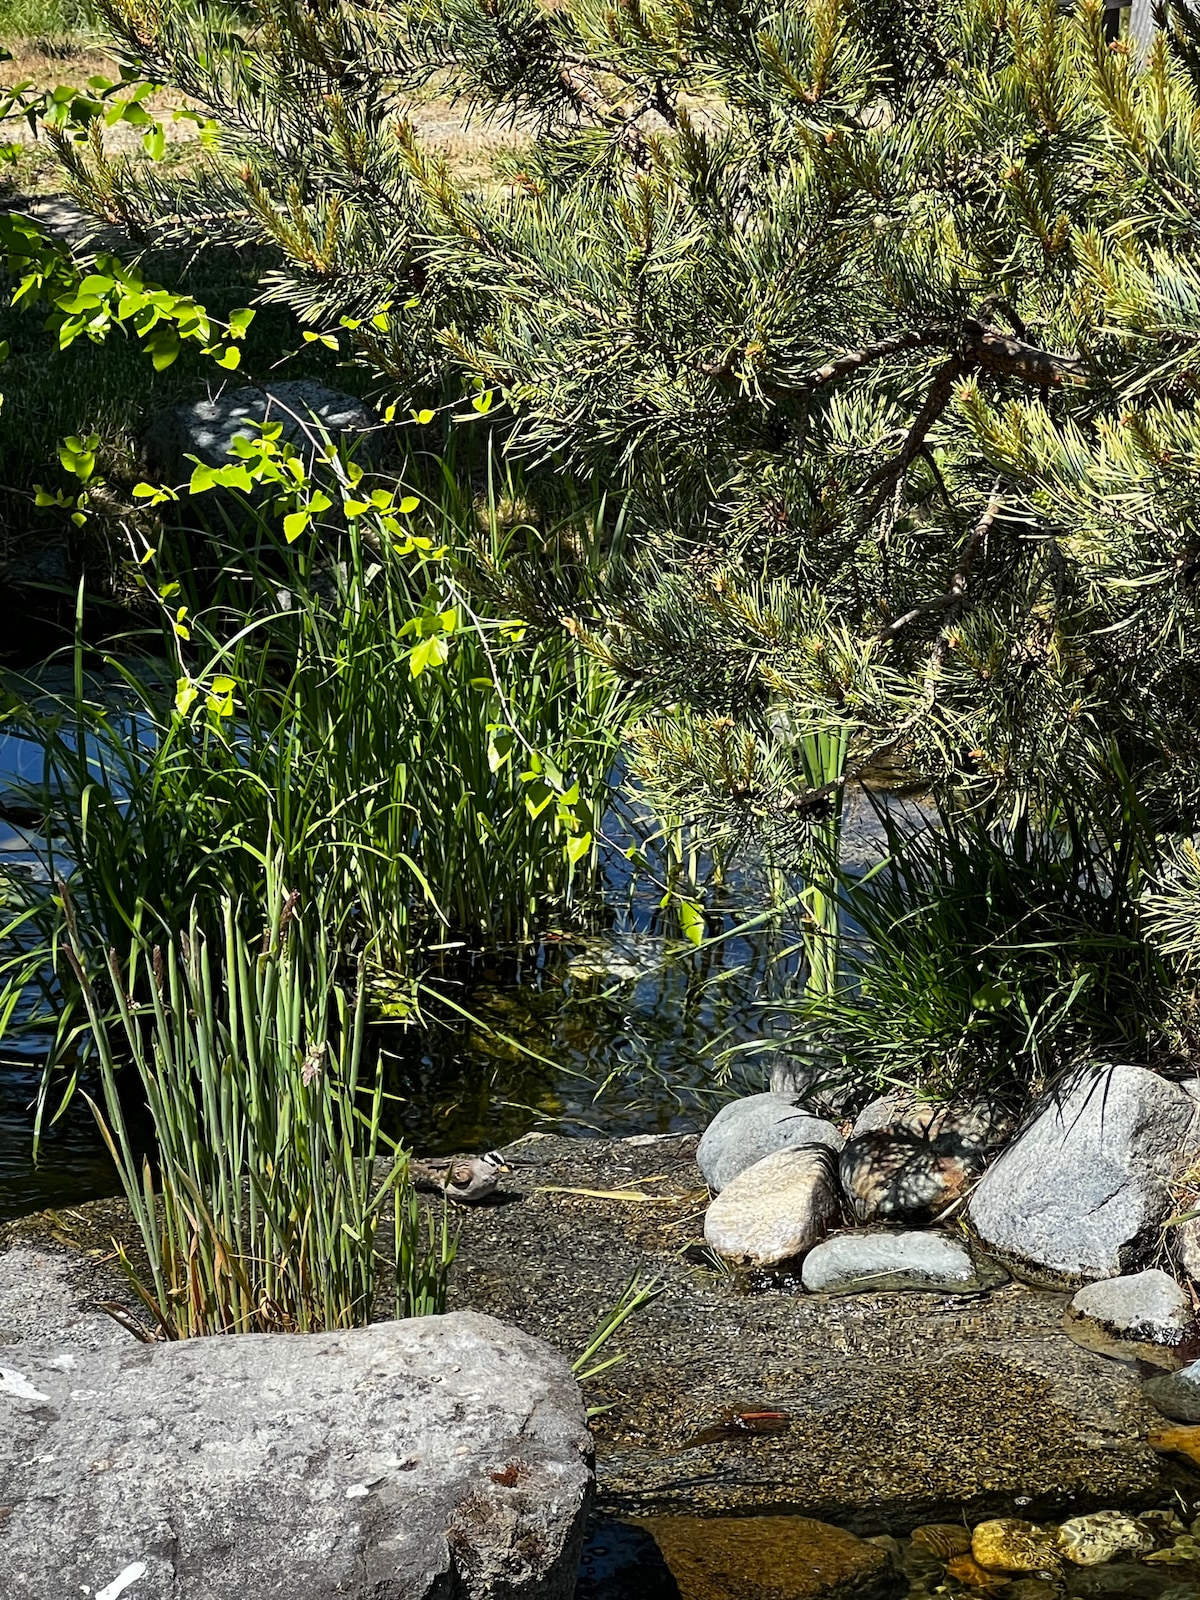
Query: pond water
(619, 1032)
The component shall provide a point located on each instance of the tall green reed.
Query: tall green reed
(261, 1206)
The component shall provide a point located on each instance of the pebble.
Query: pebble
(1092, 1540)
(1009, 1544)
(776, 1210)
(965, 1569)
(944, 1539)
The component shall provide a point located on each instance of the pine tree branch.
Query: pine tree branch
(890, 473)
(956, 592)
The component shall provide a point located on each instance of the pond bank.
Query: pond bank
(891, 1409)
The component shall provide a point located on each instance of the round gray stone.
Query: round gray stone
(746, 1130)
(1082, 1192)
(854, 1262)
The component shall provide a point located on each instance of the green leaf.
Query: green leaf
(429, 653)
(186, 695)
(294, 525)
(578, 847)
(691, 921)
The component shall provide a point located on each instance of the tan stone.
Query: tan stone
(1092, 1540)
(775, 1210)
(766, 1558)
(944, 1539)
(1008, 1544)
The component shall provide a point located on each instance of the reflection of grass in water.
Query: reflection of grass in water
(541, 1047)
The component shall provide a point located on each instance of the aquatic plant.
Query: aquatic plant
(992, 948)
(261, 1203)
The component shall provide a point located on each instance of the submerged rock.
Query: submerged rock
(893, 1175)
(1090, 1541)
(1082, 1192)
(1176, 1394)
(407, 1459)
(776, 1210)
(943, 1539)
(1010, 1544)
(771, 1558)
(1145, 1315)
(855, 1262)
(1125, 1580)
(746, 1130)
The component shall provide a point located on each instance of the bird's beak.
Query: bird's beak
(504, 1167)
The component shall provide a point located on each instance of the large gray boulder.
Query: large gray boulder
(439, 1457)
(1082, 1192)
(746, 1130)
(207, 428)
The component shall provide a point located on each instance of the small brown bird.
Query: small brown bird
(463, 1179)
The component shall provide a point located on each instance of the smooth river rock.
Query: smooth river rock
(1083, 1191)
(854, 1263)
(776, 1210)
(746, 1130)
(442, 1456)
(1144, 1315)
(1010, 1544)
(893, 1175)
(1092, 1540)
(771, 1558)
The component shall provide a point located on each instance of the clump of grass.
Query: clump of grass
(44, 19)
(989, 950)
(263, 1209)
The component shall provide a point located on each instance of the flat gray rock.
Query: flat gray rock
(1176, 1394)
(207, 428)
(1082, 1192)
(776, 1210)
(438, 1457)
(1146, 1311)
(746, 1130)
(856, 1262)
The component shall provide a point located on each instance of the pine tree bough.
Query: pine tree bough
(796, 284)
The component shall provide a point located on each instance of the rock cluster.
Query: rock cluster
(1077, 1197)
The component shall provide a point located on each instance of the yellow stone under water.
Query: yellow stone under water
(1009, 1544)
(944, 1539)
(764, 1558)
